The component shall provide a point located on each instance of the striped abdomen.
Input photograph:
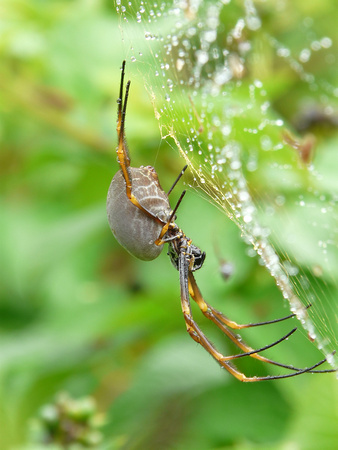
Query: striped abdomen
(134, 229)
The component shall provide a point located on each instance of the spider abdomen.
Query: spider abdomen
(134, 229)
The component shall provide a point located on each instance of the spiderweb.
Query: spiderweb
(204, 64)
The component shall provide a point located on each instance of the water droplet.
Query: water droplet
(258, 84)
(315, 46)
(244, 196)
(226, 130)
(326, 42)
(237, 31)
(283, 52)
(305, 55)
(221, 160)
(222, 76)
(179, 64)
(235, 165)
(170, 84)
(266, 142)
(174, 41)
(202, 57)
(209, 35)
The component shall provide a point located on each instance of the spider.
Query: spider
(142, 221)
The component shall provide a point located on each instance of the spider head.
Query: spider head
(193, 253)
(198, 257)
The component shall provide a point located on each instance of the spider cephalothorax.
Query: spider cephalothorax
(193, 254)
(142, 220)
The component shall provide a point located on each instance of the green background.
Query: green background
(77, 313)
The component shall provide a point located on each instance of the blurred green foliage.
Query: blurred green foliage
(68, 422)
(78, 314)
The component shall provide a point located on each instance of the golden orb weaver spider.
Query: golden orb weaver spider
(142, 221)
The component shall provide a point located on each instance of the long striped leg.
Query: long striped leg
(122, 149)
(223, 323)
(198, 336)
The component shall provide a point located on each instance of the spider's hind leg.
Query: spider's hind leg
(222, 322)
(199, 337)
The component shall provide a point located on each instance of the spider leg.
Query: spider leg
(198, 336)
(240, 355)
(122, 149)
(160, 240)
(218, 318)
(230, 323)
(178, 179)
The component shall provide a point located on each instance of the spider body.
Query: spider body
(193, 254)
(142, 220)
(133, 229)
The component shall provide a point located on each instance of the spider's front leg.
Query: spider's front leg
(124, 159)
(122, 150)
